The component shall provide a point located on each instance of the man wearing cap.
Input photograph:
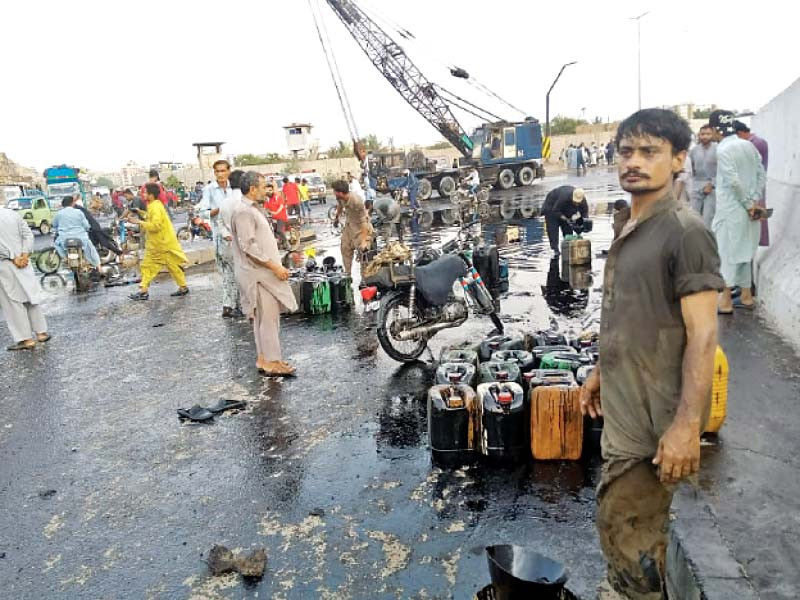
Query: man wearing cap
(561, 208)
(739, 186)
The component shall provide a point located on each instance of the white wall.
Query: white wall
(778, 267)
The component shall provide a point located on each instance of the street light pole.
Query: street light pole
(639, 51)
(547, 100)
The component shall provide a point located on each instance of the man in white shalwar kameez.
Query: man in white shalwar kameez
(20, 292)
(261, 277)
(739, 187)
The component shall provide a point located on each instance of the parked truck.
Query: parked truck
(504, 152)
(63, 180)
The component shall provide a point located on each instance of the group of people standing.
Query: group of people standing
(582, 156)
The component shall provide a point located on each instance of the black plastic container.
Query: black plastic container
(548, 338)
(521, 573)
(593, 352)
(506, 372)
(456, 374)
(453, 426)
(499, 342)
(341, 286)
(582, 374)
(504, 422)
(592, 435)
(459, 355)
(539, 351)
(522, 358)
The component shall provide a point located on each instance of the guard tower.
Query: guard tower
(298, 139)
(207, 154)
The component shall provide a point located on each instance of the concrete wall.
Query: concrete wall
(778, 267)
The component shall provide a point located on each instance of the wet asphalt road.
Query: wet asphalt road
(107, 495)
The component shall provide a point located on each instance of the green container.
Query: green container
(316, 296)
(563, 361)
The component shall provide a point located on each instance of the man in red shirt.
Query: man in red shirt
(276, 208)
(292, 194)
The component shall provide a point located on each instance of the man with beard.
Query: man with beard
(658, 336)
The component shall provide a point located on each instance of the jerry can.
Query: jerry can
(568, 361)
(545, 377)
(520, 357)
(453, 425)
(579, 277)
(503, 419)
(592, 435)
(582, 374)
(719, 393)
(499, 342)
(456, 374)
(316, 295)
(556, 423)
(458, 355)
(341, 286)
(499, 372)
(593, 352)
(576, 250)
(539, 351)
(296, 283)
(548, 338)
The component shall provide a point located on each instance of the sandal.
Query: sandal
(223, 404)
(280, 369)
(740, 304)
(140, 295)
(180, 292)
(24, 345)
(43, 337)
(196, 413)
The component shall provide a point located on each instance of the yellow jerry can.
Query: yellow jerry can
(719, 393)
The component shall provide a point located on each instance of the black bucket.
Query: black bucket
(520, 573)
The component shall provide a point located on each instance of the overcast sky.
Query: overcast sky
(98, 83)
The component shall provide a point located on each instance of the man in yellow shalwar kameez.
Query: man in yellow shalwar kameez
(161, 249)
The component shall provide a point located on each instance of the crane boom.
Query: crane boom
(395, 65)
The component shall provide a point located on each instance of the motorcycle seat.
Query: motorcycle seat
(435, 280)
(73, 243)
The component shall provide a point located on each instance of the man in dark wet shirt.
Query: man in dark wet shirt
(561, 208)
(658, 336)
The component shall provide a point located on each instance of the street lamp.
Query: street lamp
(639, 50)
(547, 101)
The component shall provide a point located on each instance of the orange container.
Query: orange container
(556, 423)
(719, 393)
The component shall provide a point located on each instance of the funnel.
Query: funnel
(520, 573)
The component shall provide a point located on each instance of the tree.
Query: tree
(443, 145)
(173, 182)
(701, 114)
(105, 182)
(249, 160)
(561, 125)
(340, 150)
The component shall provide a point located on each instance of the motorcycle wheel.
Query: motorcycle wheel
(81, 281)
(48, 261)
(394, 307)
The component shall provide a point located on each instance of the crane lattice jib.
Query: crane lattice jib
(395, 65)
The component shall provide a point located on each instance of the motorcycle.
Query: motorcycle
(417, 300)
(195, 227)
(76, 262)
